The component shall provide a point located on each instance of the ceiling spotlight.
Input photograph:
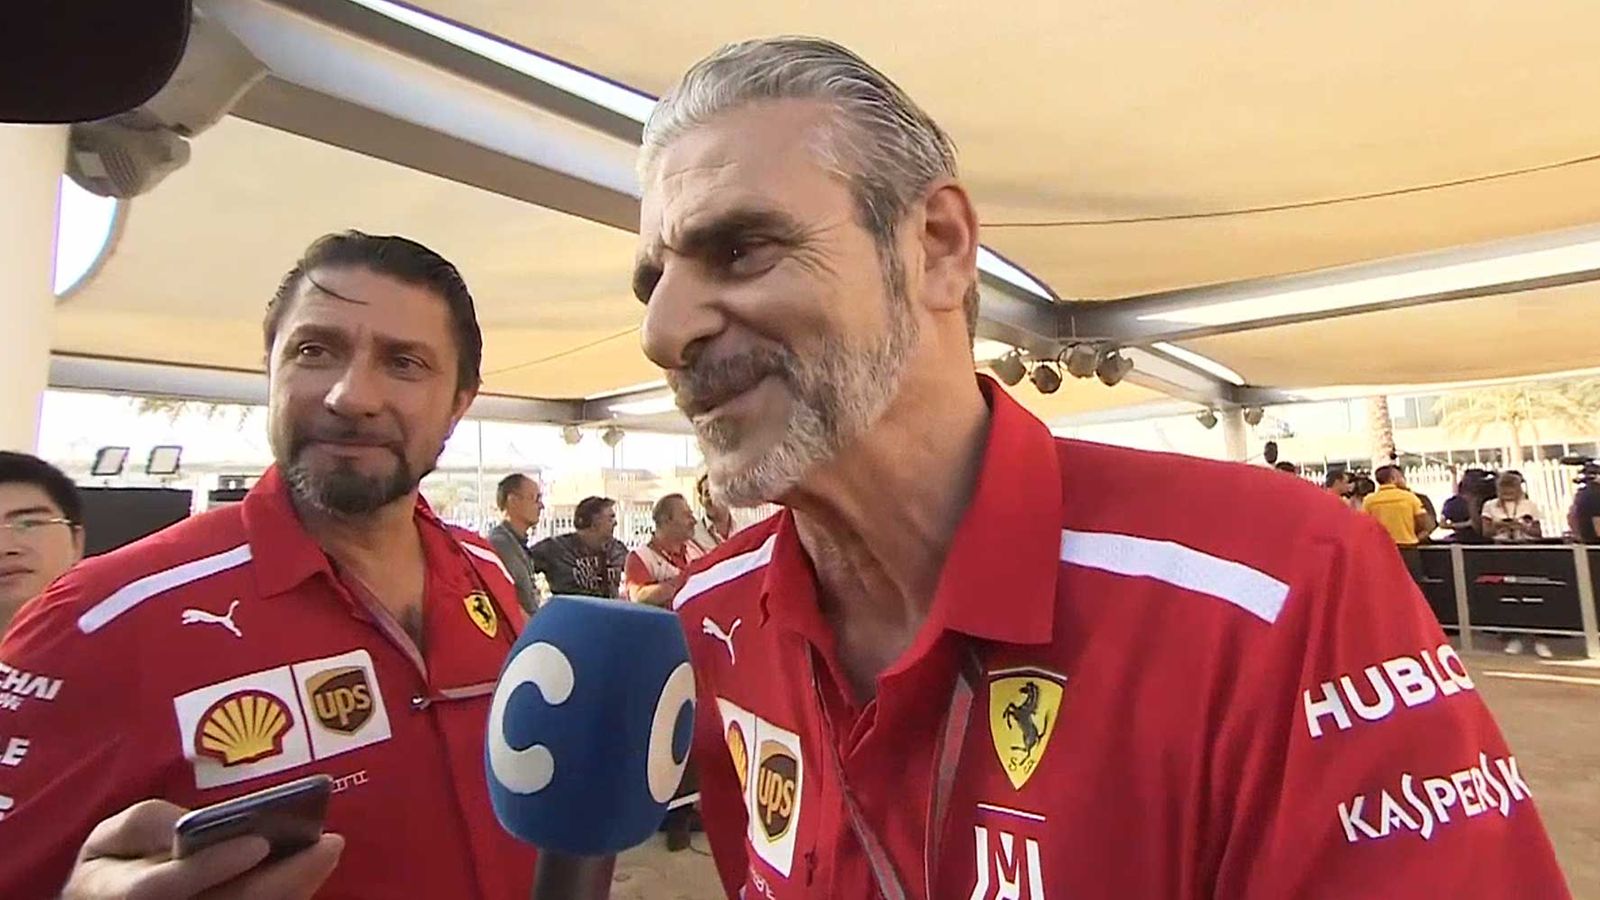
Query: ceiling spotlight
(1253, 415)
(1009, 369)
(1207, 417)
(611, 436)
(1046, 378)
(1081, 360)
(1113, 368)
(571, 434)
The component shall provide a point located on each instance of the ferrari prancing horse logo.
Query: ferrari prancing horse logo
(1023, 707)
(481, 611)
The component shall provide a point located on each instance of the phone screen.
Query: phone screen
(289, 816)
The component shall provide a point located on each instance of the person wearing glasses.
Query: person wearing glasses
(41, 529)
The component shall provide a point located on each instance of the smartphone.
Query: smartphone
(289, 816)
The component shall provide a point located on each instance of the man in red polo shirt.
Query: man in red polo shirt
(969, 661)
(328, 624)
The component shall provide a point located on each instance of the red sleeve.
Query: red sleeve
(635, 573)
(1362, 761)
(71, 749)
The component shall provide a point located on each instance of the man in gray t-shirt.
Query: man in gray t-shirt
(589, 561)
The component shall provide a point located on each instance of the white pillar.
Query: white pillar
(1235, 438)
(31, 161)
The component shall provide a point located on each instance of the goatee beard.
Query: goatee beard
(346, 492)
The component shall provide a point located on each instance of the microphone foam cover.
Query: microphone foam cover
(590, 726)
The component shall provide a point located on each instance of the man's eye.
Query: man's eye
(311, 351)
(748, 257)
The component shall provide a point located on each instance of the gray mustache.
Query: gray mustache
(701, 386)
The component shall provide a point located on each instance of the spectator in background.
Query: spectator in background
(41, 529)
(655, 572)
(1460, 513)
(521, 500)
(1397, 509)
(1337, 483)
(1288, 467)
(716, 520)
(1584, 516)
(589, 560)
(1456, 514)
(1511, 516)
(1361, 487)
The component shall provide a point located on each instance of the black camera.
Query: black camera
(1588, 468)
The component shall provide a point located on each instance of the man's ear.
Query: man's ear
(949, 238)
(464, 398)
(79, 536)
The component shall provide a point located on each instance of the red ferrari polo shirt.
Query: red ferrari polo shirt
(223, 655)
(1142, 675)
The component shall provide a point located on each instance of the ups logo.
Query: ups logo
(776, 781)
(341, 698)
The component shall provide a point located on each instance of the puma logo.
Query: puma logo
(194, 616)
(726, 637)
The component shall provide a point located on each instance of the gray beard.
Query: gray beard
(838, 396)
(345, 492)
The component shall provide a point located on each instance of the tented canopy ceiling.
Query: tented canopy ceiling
(202, 254)
(1114, 149)
(1148, 129)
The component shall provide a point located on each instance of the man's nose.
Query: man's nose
(357, 393)
(682, 316)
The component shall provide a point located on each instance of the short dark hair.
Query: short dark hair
(663, 507)
(1334, 476)
(508, 486)
(402, 259)
(1386, 474)
(588, 509)
(24, 468)
(1286, 466)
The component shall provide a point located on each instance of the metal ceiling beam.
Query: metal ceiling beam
(1134, 320)
(353, 78)
(216, 385)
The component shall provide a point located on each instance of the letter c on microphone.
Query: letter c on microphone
(544, 666)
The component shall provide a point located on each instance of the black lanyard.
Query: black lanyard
(947, 761)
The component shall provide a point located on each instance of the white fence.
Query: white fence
(1550, 484)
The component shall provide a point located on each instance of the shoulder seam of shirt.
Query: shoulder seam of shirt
(725, 571)
(136, 592)
(1251, 590)
(488, 556)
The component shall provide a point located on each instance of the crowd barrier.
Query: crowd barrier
(1538, 589)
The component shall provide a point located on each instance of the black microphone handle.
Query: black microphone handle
(559, 876)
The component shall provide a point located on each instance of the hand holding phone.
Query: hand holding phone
(289, 816)
(130, 855)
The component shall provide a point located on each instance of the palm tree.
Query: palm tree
(1380, 428)
(174, 408)
(1519, 408)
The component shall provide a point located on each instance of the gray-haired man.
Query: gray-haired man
(521, 499)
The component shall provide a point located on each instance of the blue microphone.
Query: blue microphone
(590, 726)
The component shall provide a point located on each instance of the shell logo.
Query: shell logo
(740, 751)
(243, 727)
